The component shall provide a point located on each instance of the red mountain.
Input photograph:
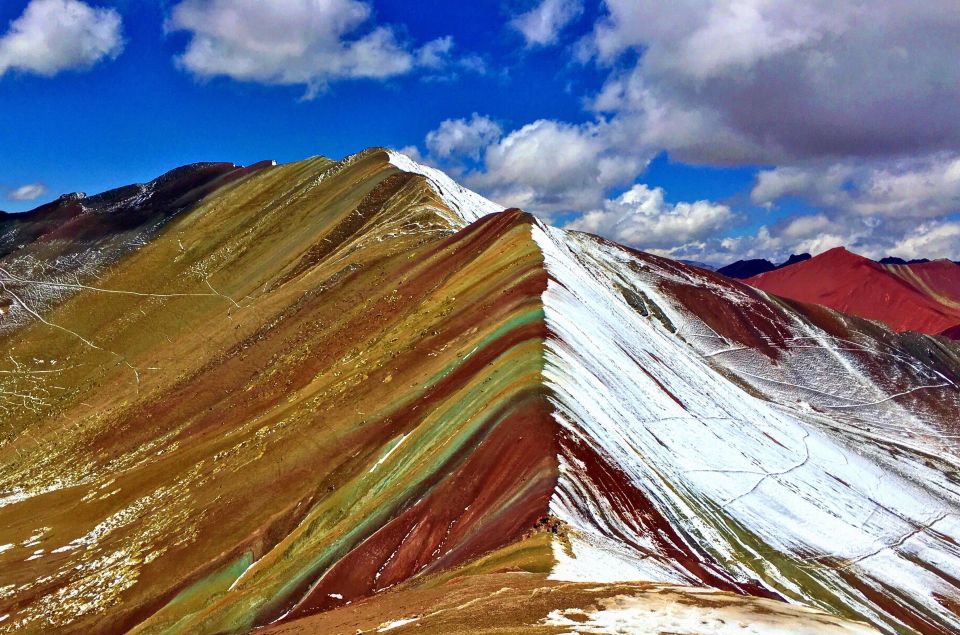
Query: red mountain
(939, 279)
(923, 297)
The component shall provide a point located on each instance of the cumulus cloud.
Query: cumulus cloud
(542, 25)
(434, 54)
(456, 138)
(641, 217)
(773, 243)
(855, 104)
(816, 233)
(57, 35)
(295, 42)
(548, 166)
(936, 239)
(777, 81)
(804, 227)
(926, 187)
(29, 192)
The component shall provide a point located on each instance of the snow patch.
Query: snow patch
(389, 626)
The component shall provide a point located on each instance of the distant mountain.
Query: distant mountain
(701, 265)
(794, 259)
(746, 268)
(76, 219)
(353, 396)
(923, 296)
(893, 260)
(743, 269)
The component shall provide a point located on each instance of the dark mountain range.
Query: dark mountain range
(743, 269)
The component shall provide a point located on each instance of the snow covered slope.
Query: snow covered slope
(692, 457)
(468, 205)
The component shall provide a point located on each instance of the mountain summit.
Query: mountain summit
(353, 396)
(918, 296)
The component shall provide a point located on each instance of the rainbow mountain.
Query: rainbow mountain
(355, 397)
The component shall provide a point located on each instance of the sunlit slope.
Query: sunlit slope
(329, 392)
(922, 297)
(312, 372)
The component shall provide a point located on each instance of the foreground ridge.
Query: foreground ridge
(317, 395)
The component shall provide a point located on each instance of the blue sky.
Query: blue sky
(130, 118)
(709, 130)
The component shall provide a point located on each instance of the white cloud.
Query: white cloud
(57, 35)
(29, 192)
(929, 189)
(805, 227)
(817, 233)
(463, 137)
(926, 187)
(773, 185)
(294, 42)
(929, 240)
(778, 81)
(434, 54)
(854, 103)
(777, 243)
(549, 166)
(642, 218)
(414, 153)
(542, 25)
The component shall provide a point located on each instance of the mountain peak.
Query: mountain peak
(840, 253)
(794, 259)
(906, 297)
(743, 269)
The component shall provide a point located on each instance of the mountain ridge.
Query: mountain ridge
(328, 382)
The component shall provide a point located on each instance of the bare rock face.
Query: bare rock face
(353, 396)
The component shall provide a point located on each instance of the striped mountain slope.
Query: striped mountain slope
(326, 397)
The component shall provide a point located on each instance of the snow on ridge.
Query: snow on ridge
(466, 204)
(714, 459)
